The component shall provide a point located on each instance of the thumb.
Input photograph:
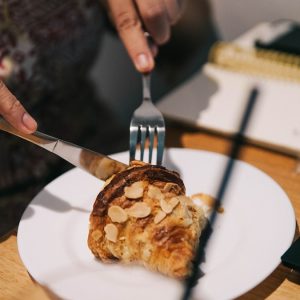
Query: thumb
(14, 112)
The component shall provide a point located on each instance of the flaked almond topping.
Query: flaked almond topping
(165, 206)
(139, 210)
(185, 200)
(135, 190)
(187, 222)
(168, 186)
(159, 216)
(96, 235)
(174, 202)
(117, 214)
(168, 207)
(155, 193)
(111, 232)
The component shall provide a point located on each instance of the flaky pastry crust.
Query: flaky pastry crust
(142, 216)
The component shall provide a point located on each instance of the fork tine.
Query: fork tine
(160, 144)
(133, 141)
(148, 122)
(151, 142)
(143, 131)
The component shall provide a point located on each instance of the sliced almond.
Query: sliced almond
(187, 222)
(155, 193)
(174, 202)
(139, 210)
(168, 186)
(134, 191)
(111, 232)
(168, 207)
(184, 200)
(159, 216)
(96, 235)
(117, 214)
(165, 206)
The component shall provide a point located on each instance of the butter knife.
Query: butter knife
(99, 165)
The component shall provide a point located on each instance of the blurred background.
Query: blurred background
(64, 61)
(203, 23)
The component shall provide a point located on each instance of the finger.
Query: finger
(154, 49)
(181, 4)
(13, 111)
(155, 18)
(129, 27)
(174, 10)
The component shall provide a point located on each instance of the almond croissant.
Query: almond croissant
(143, 216)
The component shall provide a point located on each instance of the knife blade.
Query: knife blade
(97, 164)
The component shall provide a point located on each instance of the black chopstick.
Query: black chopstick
(234, 152)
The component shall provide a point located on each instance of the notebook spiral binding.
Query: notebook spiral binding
(258, 62)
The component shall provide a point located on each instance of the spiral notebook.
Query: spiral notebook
(214, 98)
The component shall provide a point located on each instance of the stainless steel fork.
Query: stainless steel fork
(147, 123)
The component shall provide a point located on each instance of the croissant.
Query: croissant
(142, 216)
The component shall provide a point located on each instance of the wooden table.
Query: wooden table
(15, 283)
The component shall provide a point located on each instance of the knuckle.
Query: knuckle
(153, 12)
(2, 86)
(125, 21)
(10, 105)
(174, 19)
(163, 36)
(13, 106)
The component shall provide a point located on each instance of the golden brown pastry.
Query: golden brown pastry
(142, 216)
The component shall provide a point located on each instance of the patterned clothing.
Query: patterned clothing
(46, 51)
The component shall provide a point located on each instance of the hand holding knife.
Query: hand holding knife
(97, 164)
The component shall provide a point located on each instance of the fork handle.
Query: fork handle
(146, 86)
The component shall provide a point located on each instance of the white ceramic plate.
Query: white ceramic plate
(249, 237)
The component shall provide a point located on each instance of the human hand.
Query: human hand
(14, 112)
(133, 17)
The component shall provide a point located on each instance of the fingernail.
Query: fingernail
(29, 122)
(142, 62)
